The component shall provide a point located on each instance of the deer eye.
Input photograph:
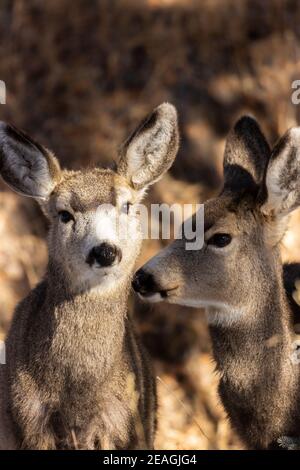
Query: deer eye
(125, 207)
(65, 216)
(220, 240)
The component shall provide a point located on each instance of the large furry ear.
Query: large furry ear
(245, 158)
(282, 181)
(26, 166)
(151, 149)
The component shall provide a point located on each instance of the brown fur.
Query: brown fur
(241, 285)
(77, 375)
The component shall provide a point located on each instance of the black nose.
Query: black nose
(104, 255)
(144, 283)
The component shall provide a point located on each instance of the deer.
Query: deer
(237, 277)
(76, 374)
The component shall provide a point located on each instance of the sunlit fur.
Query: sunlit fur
(77, 375)
(241, 285)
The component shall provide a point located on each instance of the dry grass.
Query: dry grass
(79, 76)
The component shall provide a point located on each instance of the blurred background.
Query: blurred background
(79, 76)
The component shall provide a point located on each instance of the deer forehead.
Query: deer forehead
(224, 215)
(86, 191)
(217, 217)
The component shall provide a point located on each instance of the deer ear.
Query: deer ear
(245, 158)
(26, 166)
(282, 181)
(151, 149)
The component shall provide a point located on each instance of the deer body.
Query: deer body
(237, 276)
(67, 391)
(76, 375)
(258, 381)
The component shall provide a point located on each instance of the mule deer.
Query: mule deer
(76, 374)
(237, 276)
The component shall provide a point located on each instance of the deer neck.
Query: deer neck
(254, 330)
(90, 322)
(253, 353)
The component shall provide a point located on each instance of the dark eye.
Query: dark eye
(220, 240)
(65, 216)
(125, 207)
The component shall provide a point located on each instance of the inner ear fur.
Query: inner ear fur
(151, 149)
(26, 166)
(282, 180)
